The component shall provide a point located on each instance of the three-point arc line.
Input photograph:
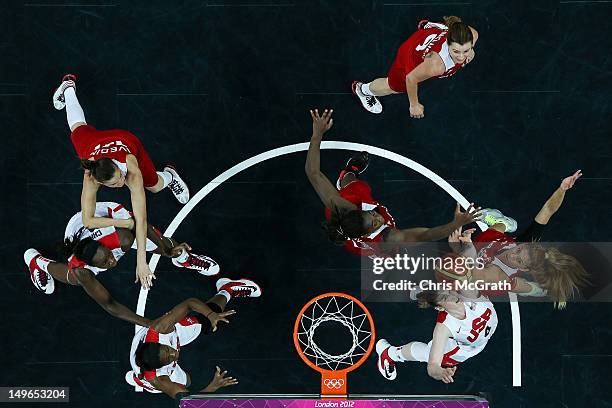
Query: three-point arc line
(301, 147)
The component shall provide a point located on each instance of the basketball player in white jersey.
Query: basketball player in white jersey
(156, 348)
(466, 321)
(87, 252)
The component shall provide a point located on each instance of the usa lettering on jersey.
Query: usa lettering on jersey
(111, 147)
(478, 325)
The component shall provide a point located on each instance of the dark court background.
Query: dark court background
(206, 85)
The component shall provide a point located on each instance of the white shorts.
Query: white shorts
(454, 353)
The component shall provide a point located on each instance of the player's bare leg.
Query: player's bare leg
(65, 97)
(368, 93)
(379, 87)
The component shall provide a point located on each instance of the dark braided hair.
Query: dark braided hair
(84, 249)
(147, 356)
(458, 31)
(102, 169)
(344, 225)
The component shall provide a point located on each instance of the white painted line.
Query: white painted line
(376, 151)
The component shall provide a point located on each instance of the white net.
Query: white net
(341, 310)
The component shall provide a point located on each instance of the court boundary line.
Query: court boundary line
(336, 145)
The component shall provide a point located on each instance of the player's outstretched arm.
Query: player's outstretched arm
(441, 334)
(431, 66)
(98, 292)
(165, 324)
(433, 234)
(167, 386)
(552, 205)
(139, 207)
(324, 188)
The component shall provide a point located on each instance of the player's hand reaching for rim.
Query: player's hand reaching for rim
(568, 182)
(219, 317)
(219, 381)
(321, 123)
(470, 215)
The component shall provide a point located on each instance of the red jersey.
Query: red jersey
(359, 193)
(431, 38)
(490, 243)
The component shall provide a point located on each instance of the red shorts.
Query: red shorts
(398, 71)
(85, 138)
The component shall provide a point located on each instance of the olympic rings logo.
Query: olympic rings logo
(333, 383)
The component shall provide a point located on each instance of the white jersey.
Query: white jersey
(106, 236)
(472, 333)
(185, 331)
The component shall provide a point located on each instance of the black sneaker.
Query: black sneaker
(356, 165)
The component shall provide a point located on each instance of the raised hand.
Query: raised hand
(321, 123)
(220, 380)
(568, 182)
(219, 317)
(417, 111)
(470, 215)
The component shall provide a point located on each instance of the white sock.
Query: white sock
(182, 257)
(365, 89)
(395, 353)
(226, 294)
(74, 112)
(166, 177)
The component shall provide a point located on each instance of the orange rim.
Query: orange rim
(298, 348)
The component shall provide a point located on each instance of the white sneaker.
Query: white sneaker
(491, 216)
(178, 186)
(239, 287)
(41, 279)
(129, 378)
(68, 81)
(369, 102)
(385, 365)
(201, 263)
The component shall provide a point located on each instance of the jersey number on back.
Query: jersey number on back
(478, 325)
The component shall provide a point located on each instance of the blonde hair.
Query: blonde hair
(560, 274)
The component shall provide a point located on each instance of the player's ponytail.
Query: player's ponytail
(102, 169)
(560, 274)
(342, 226)
(458, 31)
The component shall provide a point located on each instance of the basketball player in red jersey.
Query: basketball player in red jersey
(529, 268)
(354, 218)
(466, 321)
(114, 158)
(434, 51)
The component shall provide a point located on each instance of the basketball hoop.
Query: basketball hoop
(352, 315)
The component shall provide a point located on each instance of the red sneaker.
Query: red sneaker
(385, 365)
(239, 287)
(201, 263)
(41, 279)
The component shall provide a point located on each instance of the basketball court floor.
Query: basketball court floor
(209, 86)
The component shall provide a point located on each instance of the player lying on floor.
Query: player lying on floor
(87, 252)
(529, 268)
(354, 218)
(466, 321)
(155, 349)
